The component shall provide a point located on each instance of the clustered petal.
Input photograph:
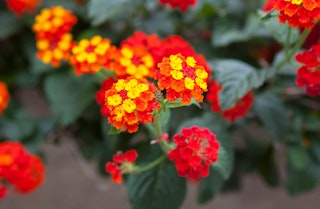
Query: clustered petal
(309, 73)
(4, 97)
(181, 77)
(196, 149)
(53, 39)
(239, 110)
(182, 4)
(122, 163)
(135, 61)
(18, 7)
(128, 102)
(299, 13)
(20, 168)
(90, 55)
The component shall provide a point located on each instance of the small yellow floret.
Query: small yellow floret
(191, 61)
(128, 105)
(189, 83)
(114, 100)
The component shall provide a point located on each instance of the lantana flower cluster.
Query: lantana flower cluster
(181, 4)
(298, 13)
(196, 149)
(137, 58)
(19, 168)
(122, 163)
(309, 73)
(52, 28)
(130, 102)
(181, 77)
(239, 110)
(19, 7)
(4, 97)
(90, 55)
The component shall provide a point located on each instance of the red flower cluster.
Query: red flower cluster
(182, 78)
(182, 4)
(52, 29)
(100, 95)
(4, 97)
(298, 13)
(239, 110)
(309, 73)
(18, 167)
(129, 102)
(195, 150)
(122, 163)
(90, 55)
(18, 7)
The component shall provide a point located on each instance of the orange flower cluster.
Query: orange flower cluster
(129, 102)
(4, 97)
(18, 7)
(21, 169)
(239, 110)
(182, 78)
(299, 13)
(90, 55)
(52, 28)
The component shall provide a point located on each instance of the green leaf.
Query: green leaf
(114, 130)
(272, 113)
(224, 164)
(178, 103)
(68, 95)
(157, 188)
(283, 33)
(237, 78)
(19, 126)
(297, 156)
(210, 186)
(102, 10)
(300, 181)
(226, 33)
(9, 24)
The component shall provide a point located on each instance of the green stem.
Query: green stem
(150, 165)
(157, 124)
(296, 47)
(287, 46)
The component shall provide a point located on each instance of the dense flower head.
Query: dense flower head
(299, 13)
(18, 7)
(90, 55)
(175, 44)
(196, 149)
(183, 78)
(182, 4)
(20, 168)
(4, 97)
(239, 110)
(55, 51)
(122, 163)
(52, 23)
(135, 61)
(309, 73)
(130, 101)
